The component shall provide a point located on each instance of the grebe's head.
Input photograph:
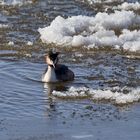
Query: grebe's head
(52, 58)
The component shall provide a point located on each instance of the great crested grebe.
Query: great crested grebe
(56, 72)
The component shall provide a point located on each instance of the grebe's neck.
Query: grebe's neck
(50, 75)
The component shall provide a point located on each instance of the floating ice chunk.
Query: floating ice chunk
(61, 31)
(72, 92)
(110, 41)
(28, 55)
(3, 26)
(117, 97)
(128, 6)
(15, 2)
(102, 1)
(132, 96)
(106, 38)
(81, 136)
(119, 19)
(132, 45)
(29, 43)
(80, 40)
(130, 35)
(10, 43)
(92, 31)
(131, 40)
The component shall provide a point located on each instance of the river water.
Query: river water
(103, 100)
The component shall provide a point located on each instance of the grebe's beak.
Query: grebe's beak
(53, 65)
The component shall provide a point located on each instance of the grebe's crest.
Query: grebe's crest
(53, 55)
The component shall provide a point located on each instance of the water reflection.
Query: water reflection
(49, 88)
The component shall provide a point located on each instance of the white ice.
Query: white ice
(15, 2)
(101, 1)
(3, 25)
(29, 43)
(128, 6)
(98, 31)
(10, 43)
(116, 96)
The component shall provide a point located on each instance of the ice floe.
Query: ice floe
(15, 2)
(29, 43)
(101, 1)
(131, 40)
(3, 25)
(116, 96)
(10, 43)
(98, 31)
(128, 6)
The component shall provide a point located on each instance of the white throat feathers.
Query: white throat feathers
(50, 75)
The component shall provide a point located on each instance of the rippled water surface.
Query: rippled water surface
(101, 103)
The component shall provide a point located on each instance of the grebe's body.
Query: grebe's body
(56, 72)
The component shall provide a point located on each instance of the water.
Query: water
(101, 103)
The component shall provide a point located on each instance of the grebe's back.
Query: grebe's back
(63, 73)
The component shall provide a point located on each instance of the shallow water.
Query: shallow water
(101, 103)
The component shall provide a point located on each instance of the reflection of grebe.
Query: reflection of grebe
(56, 72)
